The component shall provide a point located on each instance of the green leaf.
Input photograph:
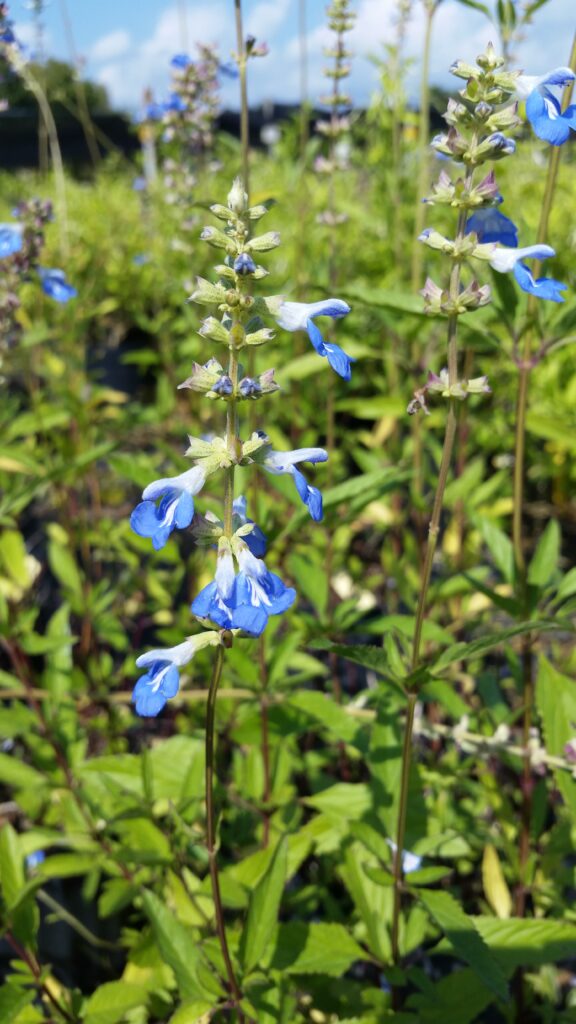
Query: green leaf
(315, 948)
(23, 915)
(556, 703)
(11, 865)
(111, 1001)
(500, 547)
(527, 942)
(177, 945)
(427, 876)
(64, 567)
(193, 1012)
(464, 938)
(344, 800)
(13, 1000)
(568, 586)
(263, 909)
(372, 899)
(322, 708)
(545, 559)
(463, 651)
(476, 6)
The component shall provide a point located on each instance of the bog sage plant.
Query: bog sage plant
(477, 135)
(244, 592)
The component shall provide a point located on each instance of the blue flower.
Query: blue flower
(500, 144)
(255, 539)
(492, 226)
(10, 239)
(244, 264)
(55, 285)
(162, 680)
(299, 316)
(285, 462)
(244, 600)
(181, 61)
(506, 260)
(229, 70)
(543, 106)
(176, 507)
(174, 104)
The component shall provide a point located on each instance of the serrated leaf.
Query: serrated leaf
(495, 887)
(545, 558)
(527, 942)
(263, 909)
(464, 938)
(315, 948)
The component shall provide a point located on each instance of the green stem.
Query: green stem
(244, 113)
(433, 531)
(422, 149)
(401, 827)
(211, 828)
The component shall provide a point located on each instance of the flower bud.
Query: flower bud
(237, 198)
(262, 243)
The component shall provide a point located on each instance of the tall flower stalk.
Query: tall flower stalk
(476, 136)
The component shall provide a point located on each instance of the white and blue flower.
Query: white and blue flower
(55, 285)
(245, 599)
(543, 104)
(162, 679)
(299, 316)
(10, 239)
(255, 539)
(175, 509)
(506, 260)
(492, 226)
(286, 462)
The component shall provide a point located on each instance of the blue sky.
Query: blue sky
(127, 44)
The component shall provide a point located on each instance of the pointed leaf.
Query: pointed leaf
(263, 909)
(464, 938)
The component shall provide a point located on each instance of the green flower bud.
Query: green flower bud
(262, 243)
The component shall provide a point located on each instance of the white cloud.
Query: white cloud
(266, 18)
(115, 44)
(459, 32)
(147, 65)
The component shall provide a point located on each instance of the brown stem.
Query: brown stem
(31, 962)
